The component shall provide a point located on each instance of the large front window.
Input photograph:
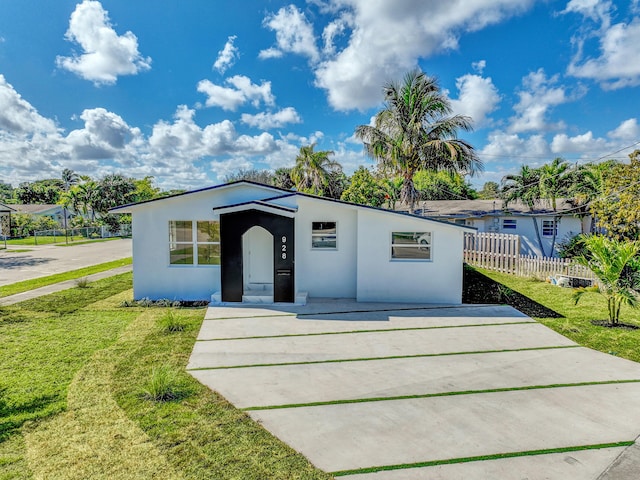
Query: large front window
(411, 245)
(194, 243)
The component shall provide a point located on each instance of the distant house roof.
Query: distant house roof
(35, 209)
(5, 208)
(483, 208)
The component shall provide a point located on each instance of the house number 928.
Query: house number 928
(284, 247)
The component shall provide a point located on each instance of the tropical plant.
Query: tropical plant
(524, 187)
(364, 189)
(415, 130)
(556, 179)
(282, 178)
(612, 262)
(69, 179)
(313, 169)
(489, 191)
(442, 186)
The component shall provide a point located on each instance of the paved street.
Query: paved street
(46, 260)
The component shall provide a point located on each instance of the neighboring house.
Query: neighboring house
(516, 218)
(245, 241)
(5, 220)
(56, 212)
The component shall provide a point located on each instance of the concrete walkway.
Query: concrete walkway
(57, 287)
(388, 391)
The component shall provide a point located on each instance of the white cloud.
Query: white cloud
(294, 34)
(107, 55)
(479, 66)
(477, 98)
(227, 56)
(584, 143)
(510, 145)
(19, 117)
(537, 97)
(334, 29)
(242, 90)
(596, 10)
(388, 38)
(615, 67)
(268, 120)
(628, 131)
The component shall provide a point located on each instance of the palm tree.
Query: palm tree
(524, 187)
(609, 260)
(415, 130)
(555, 182)
(588, 186)
(69, 179)
(313, 170)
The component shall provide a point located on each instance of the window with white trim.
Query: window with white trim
(549, 228)
(509, 224)
(194, 243)
(411, 245)
(324, 235)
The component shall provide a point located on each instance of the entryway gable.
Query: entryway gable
(233, 226)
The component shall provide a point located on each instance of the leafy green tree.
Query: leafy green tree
(524, 187)
(556, 179)
(618, 208)
(39, 192)
(364, 189)
(145, 190)
(608, 259)
(313, 170)
(282, 178)
(6, 192)
(250, 174)
(490, 190)
(442, 185)
(416, 131)
(113, 190)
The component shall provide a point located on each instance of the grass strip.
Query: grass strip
(376, 330)
(27, 285)
(496, 456)
(441, 394)
(392, 357)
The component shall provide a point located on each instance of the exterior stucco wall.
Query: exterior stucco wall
(382, 279)
(320, 272)
(153, 276)
(567, 227)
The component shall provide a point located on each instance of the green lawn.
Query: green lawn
(554, 307)
(73, 369)
(27, 285)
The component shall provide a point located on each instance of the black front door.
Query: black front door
(232, 227)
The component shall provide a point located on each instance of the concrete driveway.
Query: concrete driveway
(40, 261)
(388, 391)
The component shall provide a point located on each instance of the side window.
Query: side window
(548, 228)
(181, 242)
(509, 224)
(208, 242)
(411, 245)
(324, 235)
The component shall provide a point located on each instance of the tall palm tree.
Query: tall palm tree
(69, 179)
(415, 130)
(555, 182)
(588, 186)
(313, 170)
(524, 187)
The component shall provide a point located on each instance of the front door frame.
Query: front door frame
(232, 227)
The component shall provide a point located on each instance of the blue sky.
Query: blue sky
(189, 91)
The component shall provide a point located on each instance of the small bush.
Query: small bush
(164, 385)
(82, 282)
(170, 322)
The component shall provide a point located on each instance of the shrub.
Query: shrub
(170, 322)
(164, 385)
(82, 282)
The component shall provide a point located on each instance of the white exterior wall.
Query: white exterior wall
(381, 279)
(326, 273)
(153, 276)
(567, 227)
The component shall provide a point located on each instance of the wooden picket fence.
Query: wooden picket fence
(500, 252)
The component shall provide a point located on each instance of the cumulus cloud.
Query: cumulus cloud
(388, 38)
(227, 56)
(107, 55)
(613, 68)
(562, 143)
(19, 117)
(539, 94)
(240, 91)
(477, 98)
(294, 34)
(628, 131)
(268, 120)
(596, 10)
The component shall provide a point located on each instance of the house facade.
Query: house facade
(516, 218)
(250, 242)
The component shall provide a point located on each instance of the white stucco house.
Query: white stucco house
(245, 241)
(516, 218)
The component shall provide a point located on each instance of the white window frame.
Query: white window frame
(509, 224)
(416, 235)
(317, 235)
(549, 227)
(193, 243)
